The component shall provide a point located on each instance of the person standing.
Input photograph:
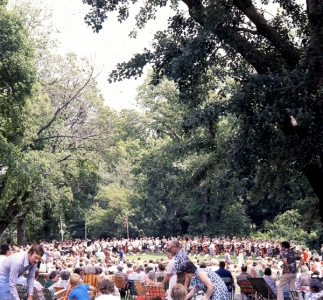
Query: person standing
(180, 257)
(289, 269)
(5, 251)
(14, 266)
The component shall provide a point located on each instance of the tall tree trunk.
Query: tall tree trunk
(47, 218)
(12, 210)
(21, 231)
(201, 188)
(314, 174)
(202, 202)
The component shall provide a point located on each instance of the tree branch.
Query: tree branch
(71, 98)
(230, 37)
(287, 51)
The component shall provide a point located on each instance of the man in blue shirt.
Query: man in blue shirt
(121, 254)
(223, 273)
(14, 266)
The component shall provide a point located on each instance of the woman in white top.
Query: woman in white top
(106, 289)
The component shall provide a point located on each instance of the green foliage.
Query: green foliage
(108, 212)
(287, 227)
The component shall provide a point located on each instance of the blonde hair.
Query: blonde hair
(75, 279)
(178, 292)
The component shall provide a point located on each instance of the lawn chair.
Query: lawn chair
(297, 295)
(246, 289)
(120, 282)
(131, 292)
(92, 279)
(61, 292)
(41, 279)
(230, 286)
(140, 290)
(49, 296)
(23, 292)
(155, 291)
(262, 288)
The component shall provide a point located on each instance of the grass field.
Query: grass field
(153, 256)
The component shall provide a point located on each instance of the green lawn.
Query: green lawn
(152, 256)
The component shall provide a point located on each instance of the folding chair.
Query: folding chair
(92, 279)
(140, 290)
(155, 291)
(246, 288)
(297, 295)
(230, 286)
(120, 282)
(131, 292)
(49, 296)
(262, 288)
(22, 291)
(62, 292)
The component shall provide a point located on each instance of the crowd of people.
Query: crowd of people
(87, 268)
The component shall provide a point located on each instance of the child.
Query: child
(79, 291)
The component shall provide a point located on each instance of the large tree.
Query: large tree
(276, 62)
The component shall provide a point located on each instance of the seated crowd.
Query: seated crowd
(95, 277)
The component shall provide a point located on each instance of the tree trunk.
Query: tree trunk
(202, 202)
(314, 174)
(21, 231)
(13, 209)
(47, 218)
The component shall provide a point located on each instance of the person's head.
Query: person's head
(222, 264)
(189, 268)
(203, 265)
(244, 268)
(35, 253)
(89, 269)
(148, 269)
(138, 269)
(316, 259)
(152, 275)
(161, 267)
(316, 285)
(119, 268)
(315, 274)
(178, 292)
(174, 246)
(267, 271)
(169, 254)
(5, 249)
(105, 286)
(65, 274)
(75, 279)
(54, 275)
(79, 271)
(285, 245)
(304, 269)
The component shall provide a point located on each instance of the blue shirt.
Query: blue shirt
(223, 273)
(14, 266)
(80, 292)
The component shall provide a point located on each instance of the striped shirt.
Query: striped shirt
(14, 266)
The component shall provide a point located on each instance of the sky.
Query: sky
(110, 46)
